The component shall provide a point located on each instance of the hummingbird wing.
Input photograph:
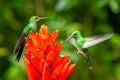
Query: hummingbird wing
(73, 42)
(95, 40)
(19, 46)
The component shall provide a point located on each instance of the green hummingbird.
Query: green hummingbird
(32, 26)
(81, 43)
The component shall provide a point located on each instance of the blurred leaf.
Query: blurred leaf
(115, 40)
(62, 5)
(117, 71)
(103, 28)
(102, 3)
(3, 51)
(15, 73)
(114, 6)
(1, 38)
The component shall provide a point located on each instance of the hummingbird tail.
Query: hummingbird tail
(19, 43)
(19, 55)
(20, 52)
(86, 55)
(19, 47)
(89, 63)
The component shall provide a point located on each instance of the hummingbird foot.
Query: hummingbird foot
(82, 53)
(77, 52)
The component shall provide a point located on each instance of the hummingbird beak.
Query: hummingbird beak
(69, 38)
(40, 18)
(44, 18)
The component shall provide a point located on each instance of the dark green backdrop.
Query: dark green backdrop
(91, 17)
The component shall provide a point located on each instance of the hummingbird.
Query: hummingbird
(82, 44)
(32, 26)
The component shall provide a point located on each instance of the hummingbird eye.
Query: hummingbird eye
(36, 18)
(75, 35)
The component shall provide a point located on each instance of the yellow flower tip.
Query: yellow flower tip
(43, 37)
(61, 65)
(26, 44)
(45, 26)
(25, 37)
(32, 57)
(42, 25)
(53, 40)
(27, 61)
(68, 55)
(61, 42)
(36, 33)
(51, 51)
(62, 56)
(74, 64)
(30, 32)
(57, 30)
(37, 49)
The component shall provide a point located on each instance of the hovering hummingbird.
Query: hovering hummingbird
(81, 43)
(32, 26)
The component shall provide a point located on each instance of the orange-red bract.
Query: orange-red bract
(41, 57)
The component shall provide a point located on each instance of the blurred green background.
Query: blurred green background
(91, 17)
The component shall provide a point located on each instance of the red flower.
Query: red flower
(41, 57)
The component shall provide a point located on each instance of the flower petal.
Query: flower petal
(53, 37)
(46, 72)
(32, 74)
(60, 60)
(56, 72)
(34, 38)
(44, 32)
(50, 57)
(44, 44)
(70, 69)
(58, 48)
(35, 63)
(39, 54)
(64, 71)
(41, 65)
(51, 47)
(28, 41)
(31, 49)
